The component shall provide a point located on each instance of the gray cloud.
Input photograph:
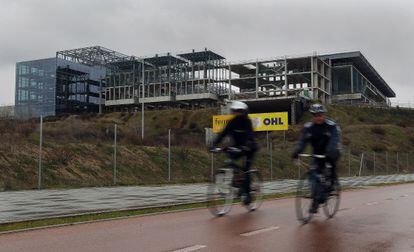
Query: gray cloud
(239, 29)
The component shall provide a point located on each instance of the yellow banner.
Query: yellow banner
(261, 122)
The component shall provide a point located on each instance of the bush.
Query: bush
(361, 119)
(346, 141)
(379, 148)
(378, 130)
(401, 124)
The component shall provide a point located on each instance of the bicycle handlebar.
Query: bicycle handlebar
(312, 155)
(227, 149)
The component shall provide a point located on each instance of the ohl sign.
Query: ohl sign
(261, 122)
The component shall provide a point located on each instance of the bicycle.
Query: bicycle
(226, 185)
(315, 186)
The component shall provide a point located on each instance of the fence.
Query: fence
(402, 104)
(110, 151)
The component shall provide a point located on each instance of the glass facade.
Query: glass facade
(77, 87)
(35, 88)
(52, 86)
(348, 80)
(341, 80)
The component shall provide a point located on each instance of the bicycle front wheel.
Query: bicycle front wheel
(331, 205)
(303, 200)
(220, 193)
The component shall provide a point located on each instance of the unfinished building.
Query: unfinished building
(188, 80)
(97, 79)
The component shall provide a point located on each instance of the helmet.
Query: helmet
(238, 105)
(317, 109)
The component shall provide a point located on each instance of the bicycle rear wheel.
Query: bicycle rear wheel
(256, 186)
(220, 193)
(331, 205)
(304, 199)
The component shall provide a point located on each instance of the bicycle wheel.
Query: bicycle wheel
(256, 186)
(304, 199)
(220, 193)
(331, 205)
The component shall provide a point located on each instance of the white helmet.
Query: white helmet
(238, 105)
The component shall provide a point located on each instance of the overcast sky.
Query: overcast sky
(239, 29)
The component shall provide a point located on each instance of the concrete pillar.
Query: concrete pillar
(312, 80)
(229, 90)
(293, 112)
(286, 80)
(330, 80)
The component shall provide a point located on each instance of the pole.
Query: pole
(169, 155)
(349, 163)
(408, 170)
(374, 163)
(115, 143)
(39, 182)
(142, 102)
(361, 163)
(267, 140)
(212, 165)
(271, 160)
(398, 164)
(386, 162)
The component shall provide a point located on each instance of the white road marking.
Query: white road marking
(372, 203)
(346, 209)
(191, 248)
(259, 231)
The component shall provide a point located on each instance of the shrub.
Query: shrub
(346, 141)
(401, 124)
(361, 119)
(378, 130)
(379, 148)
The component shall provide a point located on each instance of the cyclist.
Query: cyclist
(240, 129)
(323, 135)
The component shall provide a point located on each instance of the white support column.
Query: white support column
(314, 91)
(142, 102)
(286, 80)
(229, 88)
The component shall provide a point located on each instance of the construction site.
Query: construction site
(97, 79)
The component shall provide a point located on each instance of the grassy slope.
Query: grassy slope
(78, 149)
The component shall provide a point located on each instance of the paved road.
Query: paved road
(23, 205)
(374, 219)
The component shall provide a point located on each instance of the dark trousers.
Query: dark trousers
(331, 176)
(249, 157)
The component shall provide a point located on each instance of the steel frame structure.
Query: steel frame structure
(204, 78)
(93, 56)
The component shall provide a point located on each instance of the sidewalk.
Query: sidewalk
(33, 204)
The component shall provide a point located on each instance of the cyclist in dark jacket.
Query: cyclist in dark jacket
(240, 129)
(323, 135)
